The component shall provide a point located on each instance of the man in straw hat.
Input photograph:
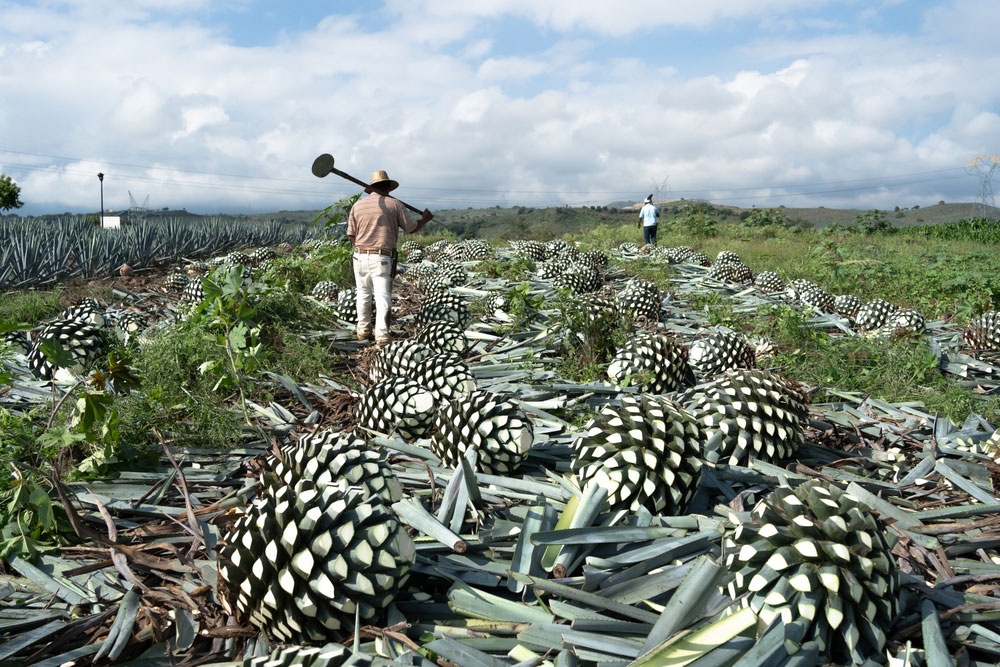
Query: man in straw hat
(647, 218)
(373, 227)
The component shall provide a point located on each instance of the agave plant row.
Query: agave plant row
(35, 253)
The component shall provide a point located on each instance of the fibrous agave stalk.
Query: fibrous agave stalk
(815, 559)
(644, 453)
(301, 562)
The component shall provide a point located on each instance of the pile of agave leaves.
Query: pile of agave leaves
(636, 588)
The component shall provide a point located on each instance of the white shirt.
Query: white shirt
(649, 214)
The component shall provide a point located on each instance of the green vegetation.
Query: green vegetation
(10, 193)
(191, 382)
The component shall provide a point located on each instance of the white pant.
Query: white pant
(373, 279)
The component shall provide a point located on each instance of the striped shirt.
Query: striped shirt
(375, 221)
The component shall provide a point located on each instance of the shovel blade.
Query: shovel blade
(323, 165)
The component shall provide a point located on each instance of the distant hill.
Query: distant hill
(553, 222)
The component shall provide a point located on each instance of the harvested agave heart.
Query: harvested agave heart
(325, 290)
(443, 337)
(645, 452)
(302, 562)
(656, 364)
(397, 405)
(81, 340)
(814, 559)
(718, 351)
(497, 428)
(331, 457)
(982, 333)
(747, 414)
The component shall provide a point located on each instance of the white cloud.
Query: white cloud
(462, 116)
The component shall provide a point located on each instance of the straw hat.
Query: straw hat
(381, 178)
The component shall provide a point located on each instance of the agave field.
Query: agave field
(573, 452)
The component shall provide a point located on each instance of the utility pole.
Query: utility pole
(100, 177)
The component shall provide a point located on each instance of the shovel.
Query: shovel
(323, 165)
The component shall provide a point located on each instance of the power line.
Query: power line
(536, 197)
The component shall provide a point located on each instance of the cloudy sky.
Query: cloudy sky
(222, 105)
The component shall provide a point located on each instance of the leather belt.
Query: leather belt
(375, 251)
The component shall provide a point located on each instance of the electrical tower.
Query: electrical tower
(660, 190)
(983, 167)
(137, 213)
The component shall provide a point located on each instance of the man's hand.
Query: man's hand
(425, 217)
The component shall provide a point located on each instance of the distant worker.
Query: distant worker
(647, 219)
(372, 228)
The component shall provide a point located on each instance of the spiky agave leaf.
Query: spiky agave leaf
(748, 414)
(301, 562)
(497, 428)
(332, 457)
(656, 364)
(815, 557)
(645, 452)
(720, 350)
(397, 405)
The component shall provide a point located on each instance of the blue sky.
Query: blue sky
(222, 106)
